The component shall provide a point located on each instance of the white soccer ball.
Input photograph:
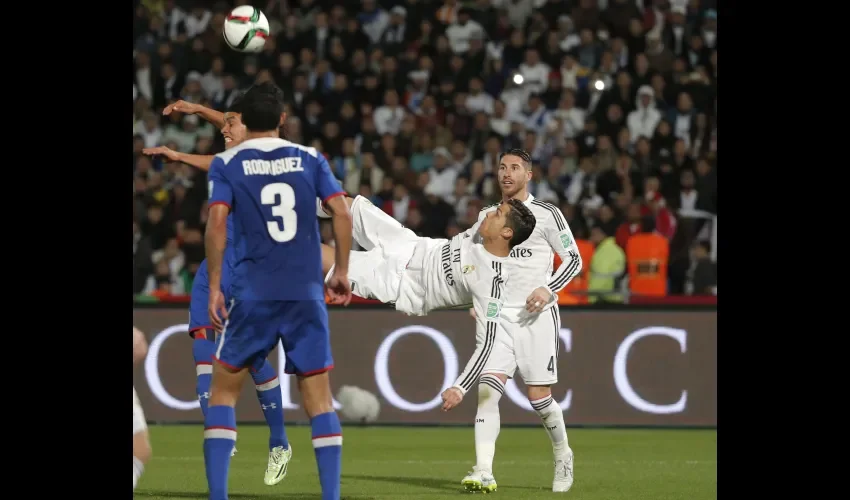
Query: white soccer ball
(358, 404)
(246, 29)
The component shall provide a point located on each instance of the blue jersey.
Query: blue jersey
(271, 187)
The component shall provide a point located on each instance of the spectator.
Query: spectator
(607, 266)
(702, 275)
(399, 205)
(632, 225)
(388, 117)
(643, 120)
(442, 176)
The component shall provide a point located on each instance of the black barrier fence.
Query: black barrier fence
(620, 367)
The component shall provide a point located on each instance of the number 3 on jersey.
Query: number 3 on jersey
(281, 197)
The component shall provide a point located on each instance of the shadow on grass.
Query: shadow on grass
(424, 482)
(202, 495)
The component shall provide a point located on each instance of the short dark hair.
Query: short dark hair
(262, 106)
(521, 220)
(236, 105)
(521, 153)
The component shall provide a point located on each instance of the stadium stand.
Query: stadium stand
(411, 102)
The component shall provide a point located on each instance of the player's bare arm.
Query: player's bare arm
(215, 242)
(189, 108)
(339, 288)
(201, 162)
(140, 345)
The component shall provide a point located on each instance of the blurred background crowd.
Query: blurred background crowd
(411, 101)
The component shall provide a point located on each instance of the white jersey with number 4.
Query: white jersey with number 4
(531, 263)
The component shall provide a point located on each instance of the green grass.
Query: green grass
(428, 463)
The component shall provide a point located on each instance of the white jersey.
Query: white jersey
(531, 263)
(450, 273)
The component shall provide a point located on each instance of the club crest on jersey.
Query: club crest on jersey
(492, 309)
(468, 269)
(566, 240)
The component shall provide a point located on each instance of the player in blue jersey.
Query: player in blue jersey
(263, 374)
(277, 289)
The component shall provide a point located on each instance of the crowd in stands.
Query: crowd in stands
(412, 101)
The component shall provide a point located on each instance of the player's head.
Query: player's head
(514, 172)
(512, 222)
(234, 129)
(262, 108)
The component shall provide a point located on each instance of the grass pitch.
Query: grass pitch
(428, 464)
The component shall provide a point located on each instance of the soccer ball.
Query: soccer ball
(358, 404)
(246, 29)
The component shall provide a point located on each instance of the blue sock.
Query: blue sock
(219, 440)
(271, 401)
(327, 444)
(202, 351)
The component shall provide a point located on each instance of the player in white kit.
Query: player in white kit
(419, 274)
(141, 442)
(530, 337)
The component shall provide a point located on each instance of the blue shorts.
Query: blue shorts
(199, 316)
(253, 329)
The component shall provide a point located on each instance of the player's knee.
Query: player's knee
(490, 389)
(202, 349)
(226, 385)
(142, 447)
(316, 394)
(536, 392)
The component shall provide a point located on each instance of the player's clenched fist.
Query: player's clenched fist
(181, 106)
(451, 398)
(339, 289)
(162, 150)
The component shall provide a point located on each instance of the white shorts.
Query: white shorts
(530, 347)
(139, 423)
(376, 273)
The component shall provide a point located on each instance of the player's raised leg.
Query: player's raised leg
(141, 442)
(371, 226)
(267, 384)
(306, 341)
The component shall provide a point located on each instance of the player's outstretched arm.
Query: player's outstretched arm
(487, 306)
(198, 161)
(140, 346)
(190, 108)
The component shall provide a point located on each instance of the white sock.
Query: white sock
(553, 421)
(138, 468)
(487, 420)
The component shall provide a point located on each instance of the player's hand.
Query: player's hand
(451, 398)
(538, 299)
(181, 106)
(162, 150)
(217, 310)
(339, 289)
(472, 312)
